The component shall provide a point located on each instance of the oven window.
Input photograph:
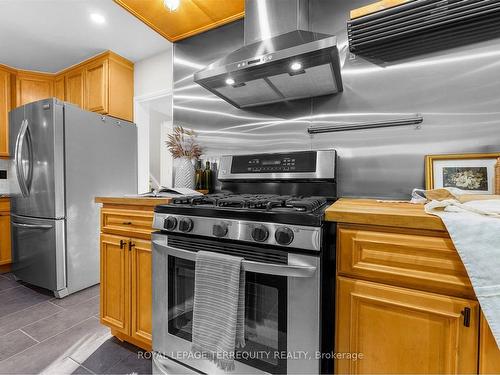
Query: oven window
(265, 314)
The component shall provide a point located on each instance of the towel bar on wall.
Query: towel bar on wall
(417, 119)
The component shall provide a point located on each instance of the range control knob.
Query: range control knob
(219, 230)
(284, 236)
(170, 223)
(260, 233)
(185, 225)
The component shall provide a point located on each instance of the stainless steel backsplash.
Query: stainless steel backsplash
(457, 91)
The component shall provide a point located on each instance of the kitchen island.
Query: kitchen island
(403, 296)
(125, 251)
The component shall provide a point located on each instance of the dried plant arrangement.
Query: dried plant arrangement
(182, 143)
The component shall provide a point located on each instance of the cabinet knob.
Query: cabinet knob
(122, 244)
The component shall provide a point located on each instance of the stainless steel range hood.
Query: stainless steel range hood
(280, 61)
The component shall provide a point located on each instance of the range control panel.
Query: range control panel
(304, 161)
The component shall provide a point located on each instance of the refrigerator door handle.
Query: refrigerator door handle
(29, 143)
(18, 161)
(31, 226)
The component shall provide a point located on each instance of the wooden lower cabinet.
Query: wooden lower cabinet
(115, 283)
(5, 241)
(126, 267)
(405, 302)
(126, 292)
(489, 353)
(404, 331)
(141, 287)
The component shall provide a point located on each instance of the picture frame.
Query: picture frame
(474, 173)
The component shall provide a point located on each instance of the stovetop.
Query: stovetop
(286, 209)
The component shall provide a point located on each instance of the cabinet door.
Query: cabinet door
(33, 87)
(115, 281)
(489, 353)
(5, 251)
(75, 87)
(404, 331)
(96, 87)
(4, 112)
(59, 88)
(142, 300)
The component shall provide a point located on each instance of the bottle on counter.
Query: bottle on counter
(497, 177)
(208, 177)
(198, 176)
(214, 175)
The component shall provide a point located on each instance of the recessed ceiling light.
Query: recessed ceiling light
(296, 66)
(98, 18)
(171, 4)
(230, 81)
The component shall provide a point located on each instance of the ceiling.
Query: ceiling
(49, 35)
(191, 18)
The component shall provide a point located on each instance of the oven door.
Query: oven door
(282, 312)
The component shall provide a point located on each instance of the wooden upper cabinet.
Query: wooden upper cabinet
(5, 107)
(31, 87)
(489, 353)
(121, 88)
(142, 291)
(60, 88)
(404, 331)
(96, 86)
(109, 86)
(115, 279)
(75, 83)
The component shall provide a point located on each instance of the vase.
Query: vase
(184, 173)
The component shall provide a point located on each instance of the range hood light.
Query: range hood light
(296, 66)
(229, 81)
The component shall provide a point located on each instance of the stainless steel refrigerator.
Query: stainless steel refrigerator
(63, 157)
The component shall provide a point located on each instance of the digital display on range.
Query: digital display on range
(271, 162)
(295, 162)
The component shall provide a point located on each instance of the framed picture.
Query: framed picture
(474, 173)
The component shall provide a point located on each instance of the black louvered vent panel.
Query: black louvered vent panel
(253, 253)
(423, 26)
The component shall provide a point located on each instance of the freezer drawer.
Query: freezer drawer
(38, 251)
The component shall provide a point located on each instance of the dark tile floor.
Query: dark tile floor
(43, 335)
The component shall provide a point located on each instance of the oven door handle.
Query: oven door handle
(248, 265)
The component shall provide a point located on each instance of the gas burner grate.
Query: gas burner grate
(268, 202)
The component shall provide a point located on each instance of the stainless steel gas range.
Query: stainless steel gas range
(271, 213)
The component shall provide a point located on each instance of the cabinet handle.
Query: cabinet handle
(466, 314)
(127, 223)
(122, 244)
(130, 245)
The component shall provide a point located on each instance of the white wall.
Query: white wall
(154, 74)
(153, 100)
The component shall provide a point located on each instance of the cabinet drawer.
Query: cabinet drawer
(415, 259)
(4, 206)
(133, 223)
